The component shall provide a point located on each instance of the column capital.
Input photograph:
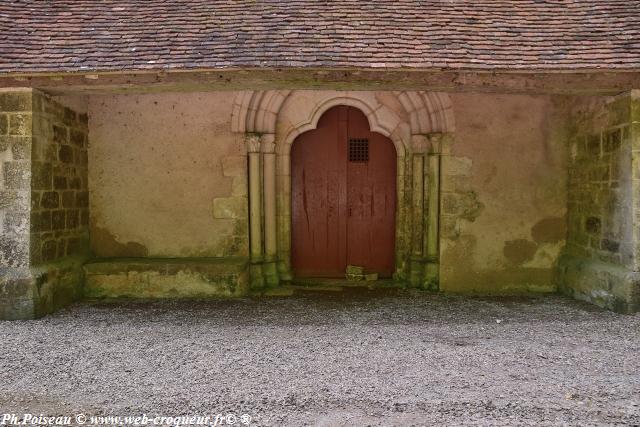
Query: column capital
(440, 143)
(253, 142)
(268, 143)
(419, 144)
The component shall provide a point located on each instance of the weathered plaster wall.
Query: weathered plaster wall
(167, 176)
(168, 179)
(503, 198)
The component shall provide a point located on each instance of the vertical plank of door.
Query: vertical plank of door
(342, 162)
(318, 219)
(371, 200)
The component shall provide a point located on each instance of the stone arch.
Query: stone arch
(415, 121)
(428, 112)
(256, 111)
(381, 120)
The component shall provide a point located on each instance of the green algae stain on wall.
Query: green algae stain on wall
(105, 244)
(519, 251)
(550, 230)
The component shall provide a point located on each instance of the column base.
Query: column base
(270, 273)
(284, 271)
(256, 276)
(416, 272)
(431, 276)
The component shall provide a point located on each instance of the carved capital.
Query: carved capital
(268, 143)
(419, 144)
(440, 143)
(253, 142)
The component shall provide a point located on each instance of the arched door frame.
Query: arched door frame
(418, 174)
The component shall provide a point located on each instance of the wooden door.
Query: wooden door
(343, 197)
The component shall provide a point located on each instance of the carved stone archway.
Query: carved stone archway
(419, 124)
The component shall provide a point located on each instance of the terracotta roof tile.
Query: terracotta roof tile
(115, 35)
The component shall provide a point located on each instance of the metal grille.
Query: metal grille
(358, 150)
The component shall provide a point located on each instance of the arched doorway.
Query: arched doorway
(343, 194)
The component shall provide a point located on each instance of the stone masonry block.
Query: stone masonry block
(14, 251)
(73, 219)
(60, 183)
(16, 223)
(69, 116)
(35, 200)
(75, 183)
(49, 250)
(619, 111)
(239, 186)
(82, 199)
(20, 147)
(234, 166)
(7, 198)
(15, 200)
(65, 154)
(77, 138)
(4, 143)
(60, 134)
(68, 199)
(42, 176)
(456, 166)
(50, 200)
(58, 220)
(17, 175)
(40, 221)
(20, 124)
(16, 101)
(4, 124)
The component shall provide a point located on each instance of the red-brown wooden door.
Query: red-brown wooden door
(343, 179)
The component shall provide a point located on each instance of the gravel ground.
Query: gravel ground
(355, 357)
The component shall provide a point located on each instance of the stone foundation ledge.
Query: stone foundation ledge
(610, 286)
(166, 278)
(33, 292)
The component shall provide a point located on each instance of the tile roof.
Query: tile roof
(124, 35)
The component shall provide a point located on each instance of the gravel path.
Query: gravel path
(356, 357)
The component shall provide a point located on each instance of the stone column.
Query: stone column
(403, 219)
(419, 146)
(269, 195)
(255, 211)
(283, 200)
(432, 239)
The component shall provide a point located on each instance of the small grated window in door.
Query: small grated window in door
(358, 150)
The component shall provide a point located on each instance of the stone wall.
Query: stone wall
(59, 183)
(600, 262)
(43, 204)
